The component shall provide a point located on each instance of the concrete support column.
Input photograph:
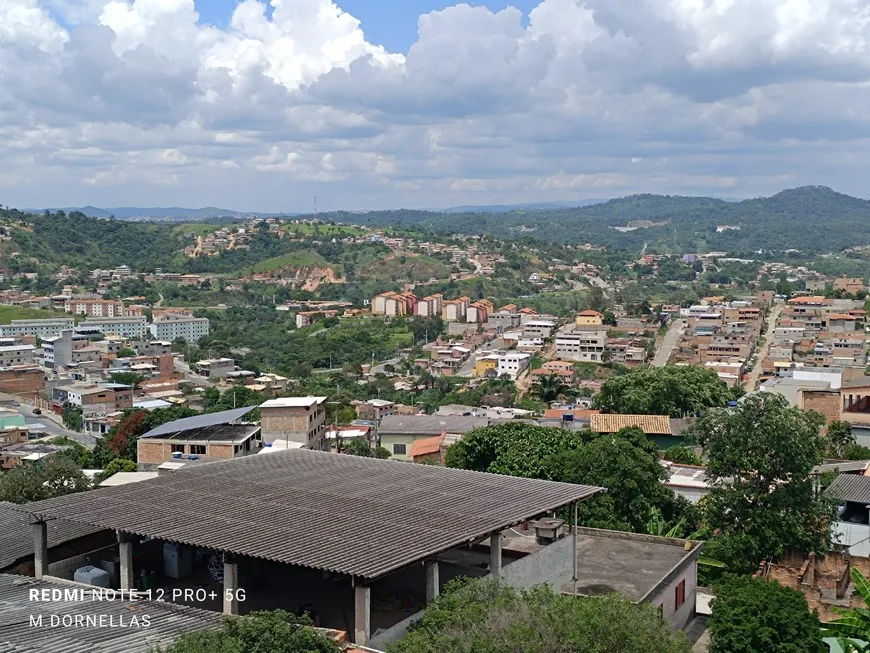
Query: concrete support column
(433, 581)
(495, 555)
(362, 622)
(231, 584)
(40, 549)
(125, 554)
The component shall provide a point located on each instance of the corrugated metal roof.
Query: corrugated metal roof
(199, 421)
(650, 424)
(16, 534)
(851, 487)
(429, 424)
(358, 516)
(168, 621)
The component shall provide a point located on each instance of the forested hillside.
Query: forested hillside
(812, 219)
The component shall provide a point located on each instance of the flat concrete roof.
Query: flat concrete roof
(627, 563)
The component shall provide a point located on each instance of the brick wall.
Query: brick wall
(220, 450)
(823, 401)
(151, 453)
(22, 381)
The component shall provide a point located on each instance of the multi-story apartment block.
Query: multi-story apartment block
(295, 419)
(135, 328)
(513, 364)
(580, 345)
(100, 308)
(16, 355)
(172, 327)
(40, 328)
(850, 285)
(430, 306)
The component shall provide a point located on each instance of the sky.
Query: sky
(371, 104)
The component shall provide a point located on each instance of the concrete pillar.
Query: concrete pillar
(362, 622)
(125, 554)
(433, 581)
(40, 549)
(495, 555)
(231, 584)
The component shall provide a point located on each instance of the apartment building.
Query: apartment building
(589, 318)
(430, 306)
(95, 400)
(454, 310)
(100, 308)
(851, 285)
(513, 364)
(538, 329)
(39, 328)
(295, 419)
(16, 355)
(172, 327)
(580, 345)
(215, 368)
(393, 304)
(134, 327)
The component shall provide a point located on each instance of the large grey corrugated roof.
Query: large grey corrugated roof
(16, 534)
(358, 516)
(429, 424)
(851, 487)
(168, 622)
(199, 421)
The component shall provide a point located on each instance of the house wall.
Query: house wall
(552, 564)
(293, 423)
(665, 596)
(825, 402)
(407, 439)
(22, 381)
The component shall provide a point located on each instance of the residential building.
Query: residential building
(398, 432)
(16, 355)
(213, 436)
(375, 409)
(538, 329)
(100, 308)
(512, 364)
(430, 306)
(580, 345)
(95, 400)
(393, 304)
(589, 318)
(454, 310)
(307, 318)
(134, 328)
(295, 419)
(658, 428)
(626, 351)
(57, 350)
(172, 327)
(40, 328)
(215, 368)
(25, 380)
(849, 285)
(485, 364)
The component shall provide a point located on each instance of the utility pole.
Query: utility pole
(315, 207)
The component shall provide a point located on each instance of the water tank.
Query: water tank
(176, 454)
(91, 575)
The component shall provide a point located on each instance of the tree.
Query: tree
(76, 451)
(549, 388)
(126, 352)
(752, 614)
(481, 616)
(853, 626)
(127, 378)
(839, 437)
(72, 417)
(760, 459)
(357, 447)
(259, 632)
(671, 390)
(682, 456)
(115, 466)
(50, 477)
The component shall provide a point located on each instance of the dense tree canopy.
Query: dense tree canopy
(484, 617)
(625, 463)
(752, 615)
(671, 390)
(760, 458)
(48, 478)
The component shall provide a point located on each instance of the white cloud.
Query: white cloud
(138, 100)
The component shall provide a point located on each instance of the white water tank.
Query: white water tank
(91, 575)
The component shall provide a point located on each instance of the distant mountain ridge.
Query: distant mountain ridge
(171, 213)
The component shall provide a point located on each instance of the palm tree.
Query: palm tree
(549, 388)
(852, 629)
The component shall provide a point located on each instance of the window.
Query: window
(399, 449)
(197, 449)
(177, 448)
(680, 595)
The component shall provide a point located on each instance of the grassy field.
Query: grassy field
(410, 267)
(336, 231)
(197, 228)
(302, 258)
(8, 313)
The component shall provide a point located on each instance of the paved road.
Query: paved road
(672, 337)
(49, 427)
(772, 319)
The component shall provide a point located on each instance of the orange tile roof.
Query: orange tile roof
(590, 313)
(649, 424)
(425, 446)
(815, 299)
(840, 316)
